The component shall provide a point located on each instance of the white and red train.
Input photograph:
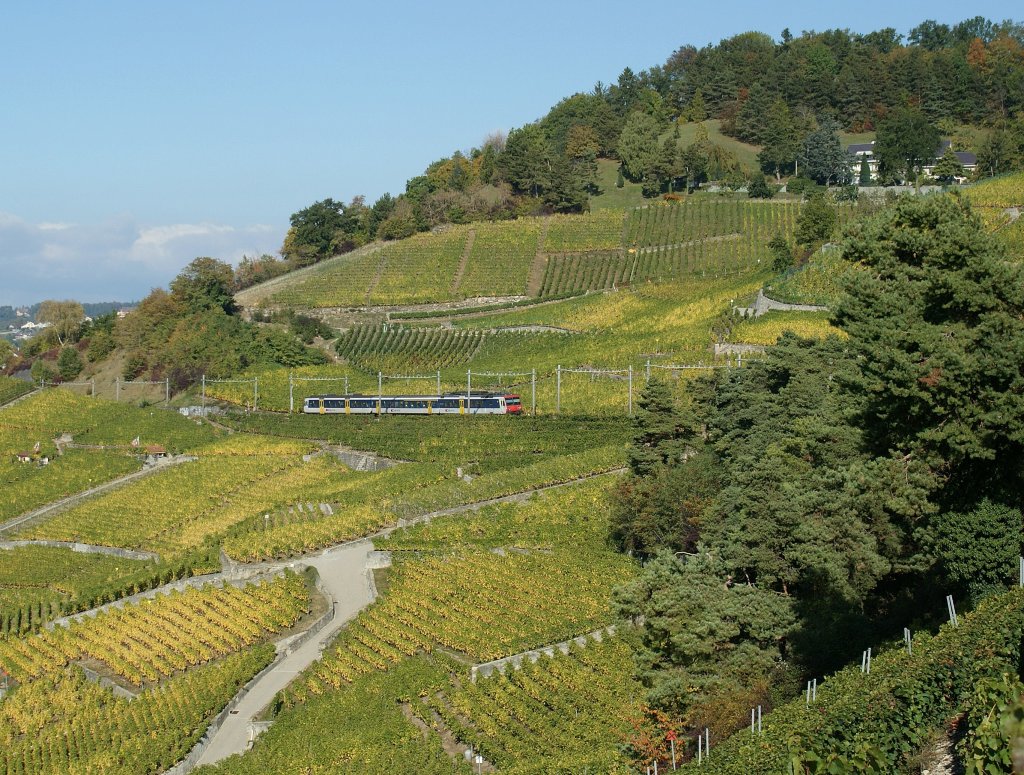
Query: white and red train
(453, 403)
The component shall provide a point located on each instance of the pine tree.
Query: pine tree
(865, 171)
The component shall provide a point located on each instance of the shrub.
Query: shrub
(69, 364)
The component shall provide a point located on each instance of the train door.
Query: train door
(348, 407)
(323, 410)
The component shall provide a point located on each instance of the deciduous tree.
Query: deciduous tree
(638, 146)
(906, 142)
(63, 317)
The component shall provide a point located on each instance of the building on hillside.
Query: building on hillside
(860, 151)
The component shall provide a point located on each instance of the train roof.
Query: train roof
(473, 394)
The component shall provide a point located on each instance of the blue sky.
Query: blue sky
(139, 135)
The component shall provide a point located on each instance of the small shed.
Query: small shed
(155, 451)
(25, 457)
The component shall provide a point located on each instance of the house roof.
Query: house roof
(966, 158)
(155, 449)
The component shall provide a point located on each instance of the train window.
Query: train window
(334, 404)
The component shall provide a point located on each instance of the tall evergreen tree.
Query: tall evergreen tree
(780, 141)
(823, 158)
(938, 325)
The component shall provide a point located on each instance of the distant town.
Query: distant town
(18, 323)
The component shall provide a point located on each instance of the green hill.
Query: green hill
(706, 236)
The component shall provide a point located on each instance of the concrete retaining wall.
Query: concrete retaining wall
(284, 648)
(116, 688)
(763, 304)
(516, 660)
(728, 348)
(113, 551)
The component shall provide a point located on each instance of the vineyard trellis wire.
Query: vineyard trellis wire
(91, 384)
(118, 382)
(293, 379)
(532, 374)
(255, 388)
(594, 373)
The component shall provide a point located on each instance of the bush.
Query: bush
(134, 365)
(803, 186)
(101, 344)
(758, 188)
(69, 364)
(43, 370)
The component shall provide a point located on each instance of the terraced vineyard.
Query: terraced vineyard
(377, 500)
(96, 421)
(584, 272)
(500, 259)
(375, 737)
(768, 328)
(398, 350)
(26, 486)
(557, 518)
(39, 583)
(40, 419)
(703, 235)
(420, 268)
(562, 713)
(63, 723)
(340, 282)
(600, 230)
(154, 639)
(429, 604)
(11, 388)
(177, 509)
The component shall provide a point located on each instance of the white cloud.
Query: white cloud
(118, 259)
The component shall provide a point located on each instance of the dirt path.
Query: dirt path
(464, 262)
(535, 279)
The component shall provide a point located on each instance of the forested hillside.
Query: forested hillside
(787, 98)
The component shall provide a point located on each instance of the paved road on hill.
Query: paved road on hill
(343, 573)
